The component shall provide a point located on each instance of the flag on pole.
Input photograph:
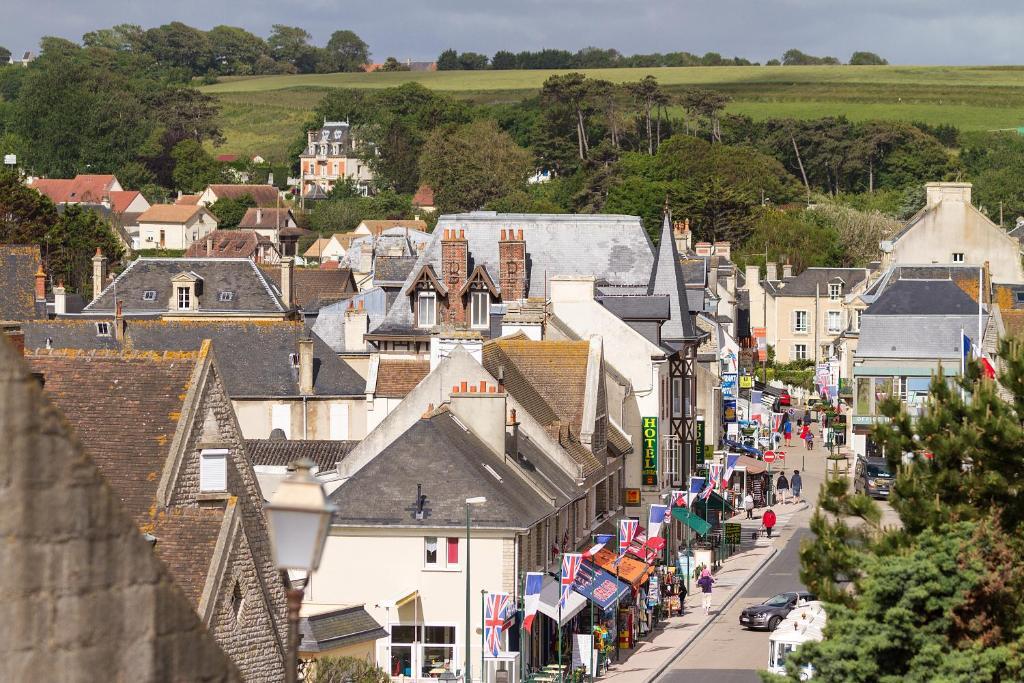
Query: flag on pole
(496, 606)
(730, 467)
(531, 598)
(676, 499)
(715, 476)
(987, 368)
(627, 532)
(601, 540)
(967, 347)
(655, 520)
(570, 565)
(696, 484)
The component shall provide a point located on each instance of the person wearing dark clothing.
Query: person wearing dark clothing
(797, 484)
(782, 486)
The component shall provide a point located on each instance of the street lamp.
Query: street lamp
(298, 520)
(478, 500)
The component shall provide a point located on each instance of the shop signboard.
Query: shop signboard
(761, 334)
(599, 586)
(746, 382)
(729, 410)
(653, 592)
(632, 496)
(701, 431)
(649, 471)
(729, 385)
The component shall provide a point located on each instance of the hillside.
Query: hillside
(263, 114)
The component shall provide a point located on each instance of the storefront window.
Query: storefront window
(883, 390)
(863, 396)
(438, 649)
(402, 640)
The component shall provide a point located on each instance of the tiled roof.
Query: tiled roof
(169, 213)
(124, 410)
(548, 378)
(186, 539)
(226, 244)
(396, 377)
(424, 196)
(81, 188)
(263, 195)
(345, 626)
(192, 199)
(250, 290)
(269, 218)
(283, 452)
(377, 227)
(18, 266)
(314, 288)
(450, 463)
(1014, 323)
(316, 249)
(120, 201)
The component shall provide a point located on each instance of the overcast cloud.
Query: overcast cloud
(903, 31)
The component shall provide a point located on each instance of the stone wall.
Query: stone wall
(85, 599)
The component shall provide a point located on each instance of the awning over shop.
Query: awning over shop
(691, 520)
(714, 502)
(549, 601)
(751, 465)
(599, 586)
(629, 569)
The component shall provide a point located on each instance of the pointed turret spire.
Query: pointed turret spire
(667, 279)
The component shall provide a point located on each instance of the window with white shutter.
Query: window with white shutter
(339, 422)
(281, 418)
(213, 470)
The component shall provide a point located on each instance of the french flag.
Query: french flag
(602, 541)
(730, 466)
(531, 598)
(655, 520)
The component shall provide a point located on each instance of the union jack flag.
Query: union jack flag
(570, 565)
(715, 476)
(676, 500)
(496, 608)
(627, 532)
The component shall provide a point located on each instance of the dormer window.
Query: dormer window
(426, 309)
(225, 296)
(149, 295)
(184, 298)
(480, 309)
(102, 330)
(835, 291)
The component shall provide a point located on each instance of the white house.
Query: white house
(174, 226)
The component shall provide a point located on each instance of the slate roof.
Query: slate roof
(251, 292)
(226, 244)
(283, 452)
(124, 410)
(396, 377)
(345, 626)
(263, 195)
(818, 279)
(377, 227)
(269, 218)
(694, 271)
(643, 307)
(614, 249)
(18, 266)
(315, 287)
(667, 280)
(392, 270)
(254, 357)
(548, 378)
(1013, 321)
(330, 320)
(926, 337)
(69, 333)
(923, 297)
(451, 464)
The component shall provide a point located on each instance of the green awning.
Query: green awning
(691, 520)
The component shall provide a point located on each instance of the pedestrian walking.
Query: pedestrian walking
(787, 430)
(782, 486)
(797, 484)
(768, 520)
(805, 434)
(705, 582)
(748, 505)
(807, 416)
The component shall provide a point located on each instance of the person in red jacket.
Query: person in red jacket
(768, 520)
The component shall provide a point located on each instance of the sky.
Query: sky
(903, 31)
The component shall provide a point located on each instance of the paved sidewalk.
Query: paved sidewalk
(673, 635)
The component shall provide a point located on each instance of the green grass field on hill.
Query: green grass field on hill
(263, 114)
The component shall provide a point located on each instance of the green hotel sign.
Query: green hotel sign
(649, 471)
(700, 442)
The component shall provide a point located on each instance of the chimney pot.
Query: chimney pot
(483, 386)
(40, 284)
(492, 389)
(287, 281)
(512, 416)
(472, 389)
(503, 235)
(464, 386)
(455, 389)
(60, 302)
(99, 273)
(426, 414)
(462, 234)
(520, 234)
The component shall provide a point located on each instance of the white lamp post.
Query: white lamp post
(298, 519)
(468, 677)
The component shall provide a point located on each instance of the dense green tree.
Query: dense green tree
(473, 164)
(194, 168)
(345, 214)
(290, 45)
(25, 215)
(794, 57)
(5, 55)
(71, 242)
(650, 99)
(706, 106)
(472, 61)
(179, 45)
(448, 61)
(392, 64)
(570, 95)
(120, 38)
(866, 59)
(503, 59)
(347, 51)
(230, 212)
(235, 51)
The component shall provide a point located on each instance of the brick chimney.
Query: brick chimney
(481, 407)
(40, 284)
(287, 281)
(119, 321)
(209, 244)
(723, 249)
(99, 273)
(683, 236)
(512, 433)
(306, 366)
(454, 271)
(60, 300)
(703, 248)
(512, 265)
(259, 216)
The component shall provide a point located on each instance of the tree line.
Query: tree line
(602, 58)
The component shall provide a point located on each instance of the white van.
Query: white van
(806, 622)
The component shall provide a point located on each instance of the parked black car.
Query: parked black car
(770, 613)
(873, 477)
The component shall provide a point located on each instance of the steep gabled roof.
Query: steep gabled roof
(667, 280)
(19, 264)
(226, 244)
(315, 288)
(396, 377)
(263, 195)
(266, 218)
